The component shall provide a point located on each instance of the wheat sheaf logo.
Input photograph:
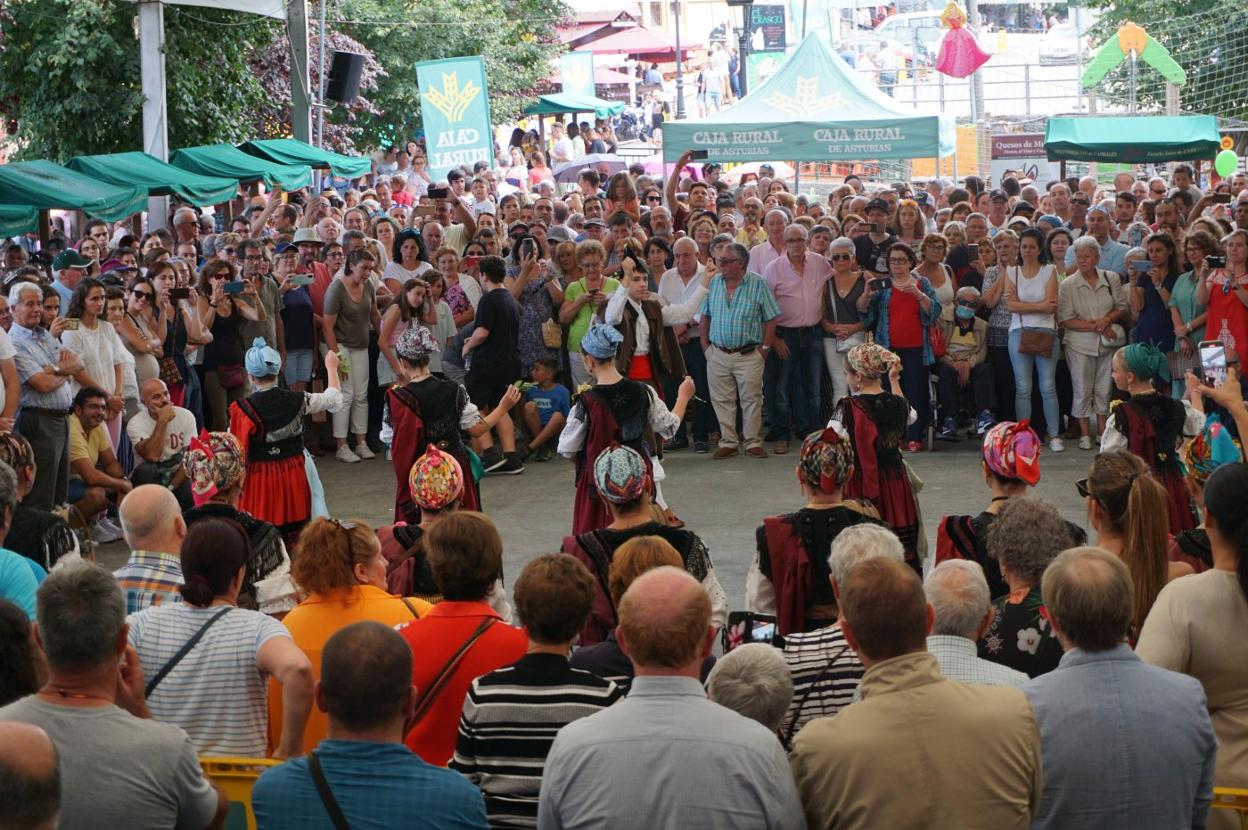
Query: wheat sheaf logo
(576, 77)
(805, 101)
(452, 100)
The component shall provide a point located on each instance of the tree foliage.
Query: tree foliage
(516, 38)
(1206, 37)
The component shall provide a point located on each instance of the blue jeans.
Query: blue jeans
(1047, 369)
(703, 414)
(793, 385)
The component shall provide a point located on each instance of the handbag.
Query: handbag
(552, 334)
(1035, 341)
(855, 339)
(936, 338)
(231, 376)
(169, 371)
(336, 816)
(427, 697)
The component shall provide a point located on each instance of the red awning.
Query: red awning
(639, 41)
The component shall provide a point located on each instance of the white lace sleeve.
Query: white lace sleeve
(572, 438)
(760, 594)
(662, 421)
(328, 401)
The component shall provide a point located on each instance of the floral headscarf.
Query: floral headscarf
(436, 480)
(620, 474)
(1012, 451)
(416, 342)
(871, 360)
(1209, 450)
(826, 460)
(213, 463)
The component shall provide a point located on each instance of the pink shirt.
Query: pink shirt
(763, 254)
(800, 296)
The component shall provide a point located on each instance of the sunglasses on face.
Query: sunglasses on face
(144, 295)
(654, 198)
(229, 251)
(842, 256)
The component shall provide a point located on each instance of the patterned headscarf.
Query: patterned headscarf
(262, 360)
(416, 342)
(871, 360)
(213, 463)
(601, 341)
(620, 474)
(1209, 450)
(826, 460)
(436, 479)
(1145, 361)
(1012, 451)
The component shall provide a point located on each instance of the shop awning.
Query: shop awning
(602, 77)
(16, 220)
(559, 103)
(230, 162)
(293, 151)
(1132, 139)
(157, 177)
(43, 185)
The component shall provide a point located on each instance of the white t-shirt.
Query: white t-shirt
(178, 432)
(395, 271)
(1032, 291)
(216, 693)
(7, 352)
(97, 348)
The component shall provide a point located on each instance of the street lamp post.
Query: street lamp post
(743, 41)
(680, 63)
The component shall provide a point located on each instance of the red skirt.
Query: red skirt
(1179, 502)
(898, 508)
(277, 492)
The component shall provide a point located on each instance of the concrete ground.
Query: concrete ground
(722, 501)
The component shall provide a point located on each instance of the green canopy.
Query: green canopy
(814, 108)
(157, 177)
(294, 151)
(1132, 139)
(559, 103)
(232, 163)
(16, 220)
(43, 185)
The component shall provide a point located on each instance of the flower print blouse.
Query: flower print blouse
(1021, 635)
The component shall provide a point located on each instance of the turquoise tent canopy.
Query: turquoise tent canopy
(1132, 139)
(814, 108)
(43, 185)
(157, 177)
(16, 220)
(294, 151)
(230, 162)
(560, 103)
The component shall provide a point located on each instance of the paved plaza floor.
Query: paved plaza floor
(722, 501)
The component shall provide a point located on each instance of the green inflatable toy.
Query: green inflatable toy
(1132, 38)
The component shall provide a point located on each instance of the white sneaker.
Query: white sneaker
(364, 452)
(389, 454)
(346, 456)
(1056, 445)
(1085, 443)
(102, 533)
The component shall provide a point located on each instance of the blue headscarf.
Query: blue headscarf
(601, 341)
(262, 360)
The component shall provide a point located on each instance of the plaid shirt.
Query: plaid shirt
(958, 661)
(150, 578)
(739, 321)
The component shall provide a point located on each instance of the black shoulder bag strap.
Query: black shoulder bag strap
(326, 794)
(182, 652)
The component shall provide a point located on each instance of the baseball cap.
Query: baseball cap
(998, 196)
(283, 247)
(1023, 206)
(594, 221)
(923, 198)
(69, 258)
(307, 235)
(878, 204)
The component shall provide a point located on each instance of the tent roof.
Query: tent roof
(42, 185)
(16, 220)
(638, 41)
(231, 162)
(602, 77)
(564, 102)
(156, 177)
(814, 108)
(1132, 139)
(294, 151)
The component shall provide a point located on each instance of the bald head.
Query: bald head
(152, 519)
(665, 618)
(30, 778)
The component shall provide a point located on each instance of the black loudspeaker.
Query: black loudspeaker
(343, 83)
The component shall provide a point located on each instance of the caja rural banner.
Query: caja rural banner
(576, 71)
(455, 109)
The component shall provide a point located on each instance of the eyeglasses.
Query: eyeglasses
(1082, 486)
(1157, 192)
(895, 261)
(725, 260)
(254, 258)
(842, 256)
(143, 295)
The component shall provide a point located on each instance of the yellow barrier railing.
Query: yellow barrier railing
(236, 777)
